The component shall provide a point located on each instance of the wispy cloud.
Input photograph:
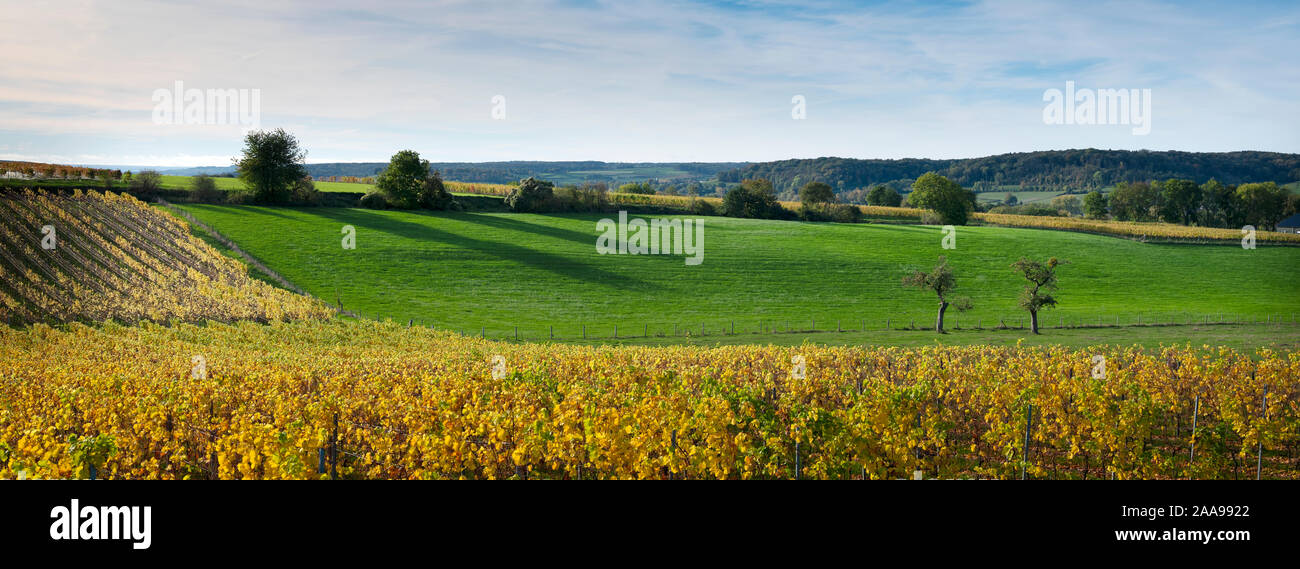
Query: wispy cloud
(639, 81)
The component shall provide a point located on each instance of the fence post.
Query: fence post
(516, 333)
(1029, 421)
(616, 331)
(552, 331)
(334, 450)
(1259, 451)
(1196, 410)
(796, 460)
(584, 331)
(646, 333)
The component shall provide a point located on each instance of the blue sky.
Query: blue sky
(642, 81)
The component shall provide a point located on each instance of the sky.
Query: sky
(636, 81)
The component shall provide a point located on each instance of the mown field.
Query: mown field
(491, 273)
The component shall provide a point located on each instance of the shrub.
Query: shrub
(374, 200)
(304, 192)
(531, 195)
(702, 207)
(753, 199)
(146, 182)
(203, 189)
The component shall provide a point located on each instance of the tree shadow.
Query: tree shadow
(561, 265)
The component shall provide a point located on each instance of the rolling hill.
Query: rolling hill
(493, 272)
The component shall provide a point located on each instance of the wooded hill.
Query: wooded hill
(1058, 170)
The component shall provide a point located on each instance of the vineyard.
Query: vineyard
(103, 256)
(380, 400)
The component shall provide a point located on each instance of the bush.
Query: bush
(837, 213)
(753, 199)
(884, 195)
(702, 207)
(403, 181)
(588, 198)
(203, 189)
(146, 182)
(434, 195)
(374, 200)
(1029, 209)
(304, 192)
(531, 195)
(637, 188)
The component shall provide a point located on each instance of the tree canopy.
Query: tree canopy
(272, 164)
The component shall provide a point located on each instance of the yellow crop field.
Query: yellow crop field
(313, 399)
(103, 256)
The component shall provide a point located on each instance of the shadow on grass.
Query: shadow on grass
(558, 264)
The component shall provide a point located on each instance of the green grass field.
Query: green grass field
(183, 183)
(1022, 197)
(492, 272)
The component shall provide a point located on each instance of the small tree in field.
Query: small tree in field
(815, 193)
(273, 163)
(1042, 278)
(941, 281)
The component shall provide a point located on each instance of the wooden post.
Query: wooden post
(334, 450)
(516, 333)
(1191, 455)
(1259, 451)
(1029, 419)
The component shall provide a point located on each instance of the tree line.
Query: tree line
(1061, 170)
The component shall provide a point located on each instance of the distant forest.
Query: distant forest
(1056, 170)
(506, 172)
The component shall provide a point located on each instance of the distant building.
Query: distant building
(1290, 224)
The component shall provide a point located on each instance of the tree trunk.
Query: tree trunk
(1033, 320)
(938, 326)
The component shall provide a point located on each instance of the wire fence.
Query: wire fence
(630, 330)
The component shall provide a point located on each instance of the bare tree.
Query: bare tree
(1042, 278)
(941, 281)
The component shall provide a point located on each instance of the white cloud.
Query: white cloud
(642, 81)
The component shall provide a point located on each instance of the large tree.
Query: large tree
(752, 199)
(940, 281)
(1042, 280)
(1262, 204)
(272, 165)
(884, 195)
(408, 183)
(1134, 202)
(943, 196)
(1094, 205)
(815, 193)
(1220, 206)
(1181, 200)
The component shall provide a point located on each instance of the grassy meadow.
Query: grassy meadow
(492, 272)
